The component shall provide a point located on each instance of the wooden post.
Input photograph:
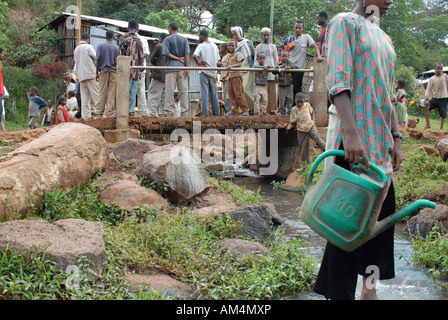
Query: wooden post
(78, 22)
(122, 96)
(320, 93)
(122, 132)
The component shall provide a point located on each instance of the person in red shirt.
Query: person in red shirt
(322, 21)
(62, 114)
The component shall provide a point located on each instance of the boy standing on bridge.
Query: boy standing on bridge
(285, 86)
(236, 91)
(302, 115)
(261, 83)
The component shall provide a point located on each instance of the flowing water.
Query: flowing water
(410, 283)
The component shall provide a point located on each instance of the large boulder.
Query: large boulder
(256, 220)
(133, 150)
(66, 156)
(127, 194)
(442, 147)
(64, 241)
(422, 223)
(176, 167)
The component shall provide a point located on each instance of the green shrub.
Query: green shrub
(79, 203)
(432, 252)
(238, 194)
(421, 174)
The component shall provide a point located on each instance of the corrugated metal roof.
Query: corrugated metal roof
(143, 27)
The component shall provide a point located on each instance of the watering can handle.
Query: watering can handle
(341, 153)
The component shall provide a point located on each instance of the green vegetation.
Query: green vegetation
(421, 174)
(238, 194)
(277, 184)
(33, 277)
(79, 203)
(432, 253)
(183, 244)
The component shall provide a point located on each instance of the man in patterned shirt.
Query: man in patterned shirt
(361, 63)
(131, 45)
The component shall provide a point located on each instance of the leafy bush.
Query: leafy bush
(432, 251)
(238, 194)
(421, 174)
(47, 67)
(79, 203)
(23, 43)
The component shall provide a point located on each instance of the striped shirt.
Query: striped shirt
(361, 61)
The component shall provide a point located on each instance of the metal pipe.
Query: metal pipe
(216, 69)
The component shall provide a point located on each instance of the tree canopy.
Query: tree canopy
(417, 27)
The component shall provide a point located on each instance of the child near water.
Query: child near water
(302, 115)
(401, 102)
(63, 115)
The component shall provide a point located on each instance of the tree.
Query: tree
(125, 9)
(163, 18)
(23, 42)
(193, 10)
(249, 13)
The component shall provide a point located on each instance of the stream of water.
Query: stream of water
(410, 283)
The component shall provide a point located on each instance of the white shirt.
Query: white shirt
(208, 53)
(85, 61)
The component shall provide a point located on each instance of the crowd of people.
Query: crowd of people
(92, 87)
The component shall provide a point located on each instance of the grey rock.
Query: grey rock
(178, 167)
(422, 223)
(65, 240)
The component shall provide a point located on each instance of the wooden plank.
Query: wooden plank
(320, 94)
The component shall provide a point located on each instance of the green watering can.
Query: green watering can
(343, 207)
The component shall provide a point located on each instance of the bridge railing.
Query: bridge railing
(320, 97)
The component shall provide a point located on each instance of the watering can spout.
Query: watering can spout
(399, 215)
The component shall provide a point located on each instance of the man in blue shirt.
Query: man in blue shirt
(177, 51)
(106, 74)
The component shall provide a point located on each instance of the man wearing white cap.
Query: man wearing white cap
(271, 53)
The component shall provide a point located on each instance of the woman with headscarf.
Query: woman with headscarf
(246, 47)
